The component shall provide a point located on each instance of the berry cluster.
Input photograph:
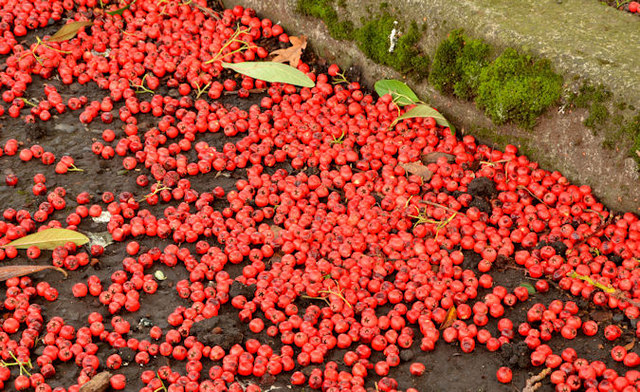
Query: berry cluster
(343, 250)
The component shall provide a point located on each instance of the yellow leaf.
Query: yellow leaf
(452, 314)
(69, 31)
(49, 239)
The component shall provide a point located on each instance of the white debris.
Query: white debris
(393, 37)
(102, 238)
(103, 54)
(105, 217)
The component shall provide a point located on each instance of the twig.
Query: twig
(532, 194)
(593, 233)
(533, 383)
(202, 90)
(140, 88)
(159, 188)
(253, 90)
(234, 38)
(618, 294)
(210, 12)
(441, 206)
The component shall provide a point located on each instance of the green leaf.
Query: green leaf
(423, 110)
(271, 72)
(120, 11)
(529, 287)
(69, 31)
(50, 239)
(401, 93)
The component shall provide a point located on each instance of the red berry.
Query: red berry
(504, 375)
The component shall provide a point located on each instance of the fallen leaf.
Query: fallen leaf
(630, 345)
(120, 11)
(271, 72)
(638, 153)
(601, 316)
(401, 93)
(418, 169)
(69, 31)
(452, 314)
(276, 230)
(99, 383)
(291, 54)
(49, 239)
(12, 271)
(530, 289)
(433, 157)
(425, 111)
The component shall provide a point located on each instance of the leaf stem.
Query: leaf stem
(234, 38)
(590, 281)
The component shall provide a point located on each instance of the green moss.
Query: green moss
(373, 37)
(323, 9)
(598, 115)
(632, 130)
(588, 94)
(620, 106)
(491, 137)
(517, 88)
(373, 40)
(627, 134)
(457, 65)
(593, 98)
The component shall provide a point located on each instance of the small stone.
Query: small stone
(145, 323)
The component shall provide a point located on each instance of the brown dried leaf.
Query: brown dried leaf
(99, 383)
(630, 345)
(452, 314)
(12, 271)
(638, 152)
(418, 169)
(291, 54)
(601, 316)
(276, 230)
(433, 157)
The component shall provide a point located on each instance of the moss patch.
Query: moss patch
(598, 115)
(515, 87)
(323, 9)
(592, 98)
(632, 130)
(373, 39)
(457, 65)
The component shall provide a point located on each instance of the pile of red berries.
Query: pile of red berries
(345, 250)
